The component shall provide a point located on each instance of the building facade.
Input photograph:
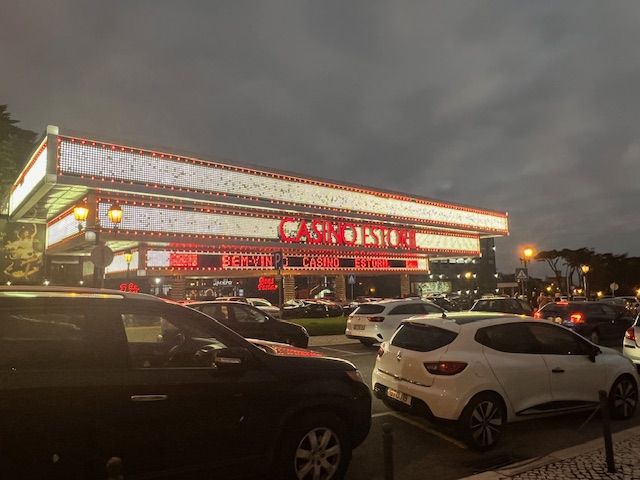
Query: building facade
(191, 224)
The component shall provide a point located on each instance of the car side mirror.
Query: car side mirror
(594, 351)
(231, 359)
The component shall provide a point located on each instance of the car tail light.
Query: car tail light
(375, 319)
(577, 318)
(630, 334)
(380, 351)
(445, 368)
(537, 315)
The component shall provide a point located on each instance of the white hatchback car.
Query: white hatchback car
(485, 369)
(375, 322)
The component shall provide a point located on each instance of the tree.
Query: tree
(552, 257)
(15, 145)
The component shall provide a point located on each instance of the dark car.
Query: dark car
(332, 308)
(305, 309)
(87, 375)
(502, 305)
(252, 322)
(595, 321)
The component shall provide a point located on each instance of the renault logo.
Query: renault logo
(399, 356)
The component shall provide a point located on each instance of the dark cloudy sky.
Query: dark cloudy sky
(529, 107)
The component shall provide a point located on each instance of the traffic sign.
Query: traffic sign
(351, 279)
(522, 274)
(278, 260)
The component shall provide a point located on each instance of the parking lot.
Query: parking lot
(422, 450)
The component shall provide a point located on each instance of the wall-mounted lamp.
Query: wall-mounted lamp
(81, 212)
(115, 213)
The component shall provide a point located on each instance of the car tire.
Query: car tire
(623, 398)
(481, 422)
(315, 446)
(594, 337)
(367, 342)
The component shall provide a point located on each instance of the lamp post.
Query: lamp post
(527, 255)
(101, 255)
(585, 270)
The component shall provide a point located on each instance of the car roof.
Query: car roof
(451, 319)
(21, 291)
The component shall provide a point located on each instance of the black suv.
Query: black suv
(251, 322)
(87, 375)
(596, 321)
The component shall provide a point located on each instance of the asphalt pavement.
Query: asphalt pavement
(585, 461)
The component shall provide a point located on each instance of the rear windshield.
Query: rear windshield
(369, 309)
(421, 338)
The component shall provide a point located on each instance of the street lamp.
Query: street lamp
(585, 270)
(527, 255)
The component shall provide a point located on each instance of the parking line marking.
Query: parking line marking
(430, 430)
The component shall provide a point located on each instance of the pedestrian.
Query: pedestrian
(542, 300)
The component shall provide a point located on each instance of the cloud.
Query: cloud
(525, 107)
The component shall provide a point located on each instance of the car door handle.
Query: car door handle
(148, 398)
(558, 370)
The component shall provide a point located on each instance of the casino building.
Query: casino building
(127, 216)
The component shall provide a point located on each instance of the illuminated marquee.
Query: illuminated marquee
(182, 177)
(244, 261)
(170, 223)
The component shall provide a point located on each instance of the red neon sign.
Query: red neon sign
(267, 284)
(183, 260)
(323, 232)
(129, 287)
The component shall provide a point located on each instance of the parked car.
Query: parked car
(503, 305)
(252, 322)
(261, 303)
(597, 321)
(311, 308)
(333, 309)
(631, 342)
(483, 370)
(349, 307)
(86, 375)
(375, 322)
(629, 304)
(448, 304)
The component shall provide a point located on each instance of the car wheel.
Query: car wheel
(623, 398)
(367, 342)
(594, 337)
(480, 424)
(316, 446)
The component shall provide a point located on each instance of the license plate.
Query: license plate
(358, 327)
(400, 396)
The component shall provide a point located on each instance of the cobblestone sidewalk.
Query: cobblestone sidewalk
(582, 462)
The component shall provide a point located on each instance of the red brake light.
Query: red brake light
(375, 319)
(445, 368)
(577, 318)
(537, 315)
(562, 303)
(630, 334)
